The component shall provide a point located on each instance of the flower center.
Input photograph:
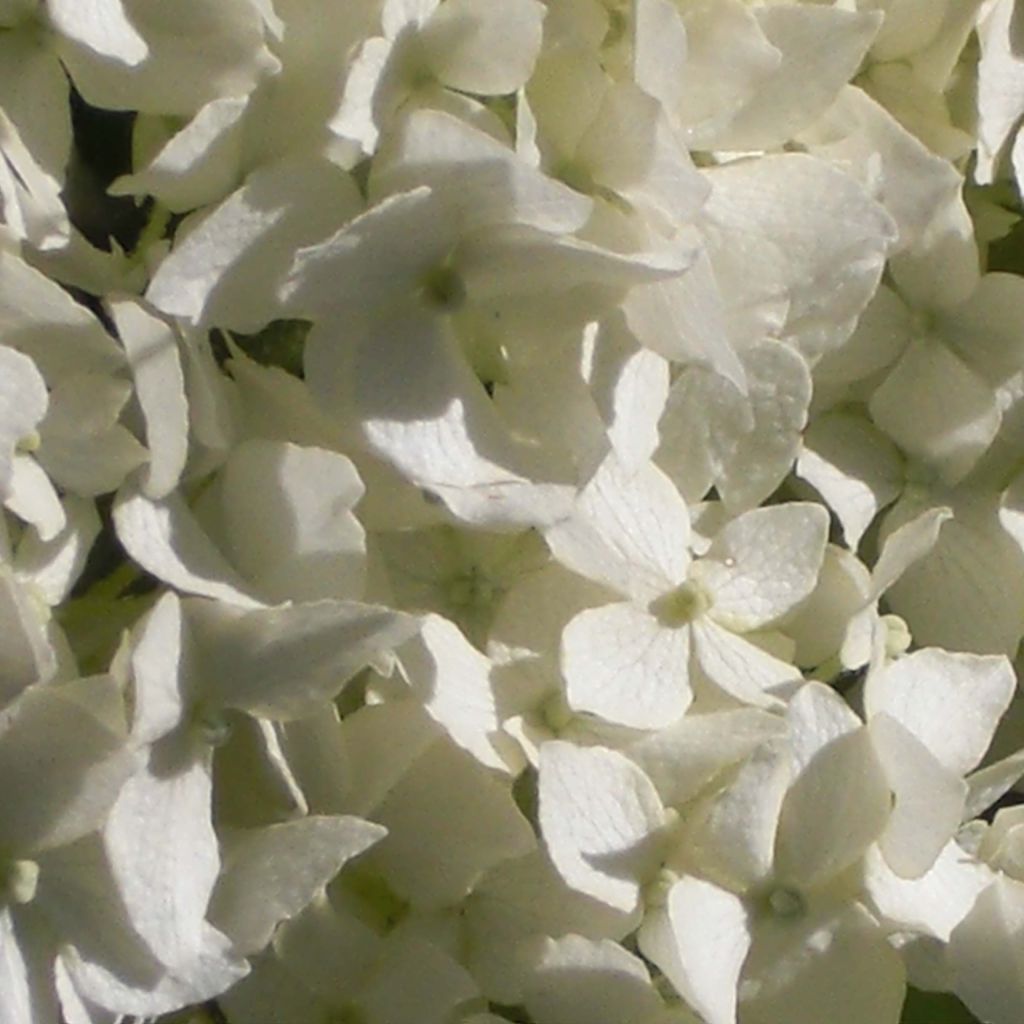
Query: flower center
(444, 289)
(786, 903)
(681, 606)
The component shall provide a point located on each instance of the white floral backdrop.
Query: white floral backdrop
(513, 511)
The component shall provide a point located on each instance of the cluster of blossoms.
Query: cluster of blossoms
(513, 510)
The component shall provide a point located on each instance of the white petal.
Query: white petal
(630, 387)
(453, 679)
(433, 867)
(600, 819)
(1000, 85)
(843, 971)
(760, 454)
(479, 47)
(23, 401)
(764, 563)
(819, 626)
(629, 531)
(156, 663)
(933, 904)
(53, 566)
(288, 521)
(31, 199)
(166, 540)
(817, 715)
(178, 76)
(630, 148)
(163, 850)
(478, 180)
(198, 166)
(836, 808)
(832, 239)
(227, 268)
(988, 784)
(621, 663)
(700, 944)
(733, 838)
(416, 982)
(856, 469)
(882, 333)
(937, 409)
(896, 167)
(950, 702)
(737, 666)
(964, 594)
(984, 952)
(213, 971)
(270, 874)
(16, 997)
(34, 499)
(160, 388)
(424, 411)
(681, 759)
(54, 745)
(821, 50)
(579, 981)
(282, 662)
(929, 799)
(26, 656)
(100, 25)
(905, 546)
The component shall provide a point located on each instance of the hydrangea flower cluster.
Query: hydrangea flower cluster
(513, 511)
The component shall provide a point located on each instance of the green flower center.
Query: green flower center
(786, 903)
(681, 606)
(444, 289)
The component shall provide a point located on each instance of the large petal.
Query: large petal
(63, 763)
(733, 835)
(929, 799)
(681, 759)
(227, 267)
(838, 806)
(580, 981)
(700, 942)
(282, 662)
(100, 25)
(484, 48)
(477, 180)
(433, 867)
(937, 409)
(621, 663)
(821, 49)
(950, 702)
(288, 521)
(933, 904)
(738, 667)
(764, 563)
(163, 850)
(628, 530)
(601, 821)
(166, 540)
(856, 469)
(453, 679)
(843, 971)
(985, 954)
(271, 874)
